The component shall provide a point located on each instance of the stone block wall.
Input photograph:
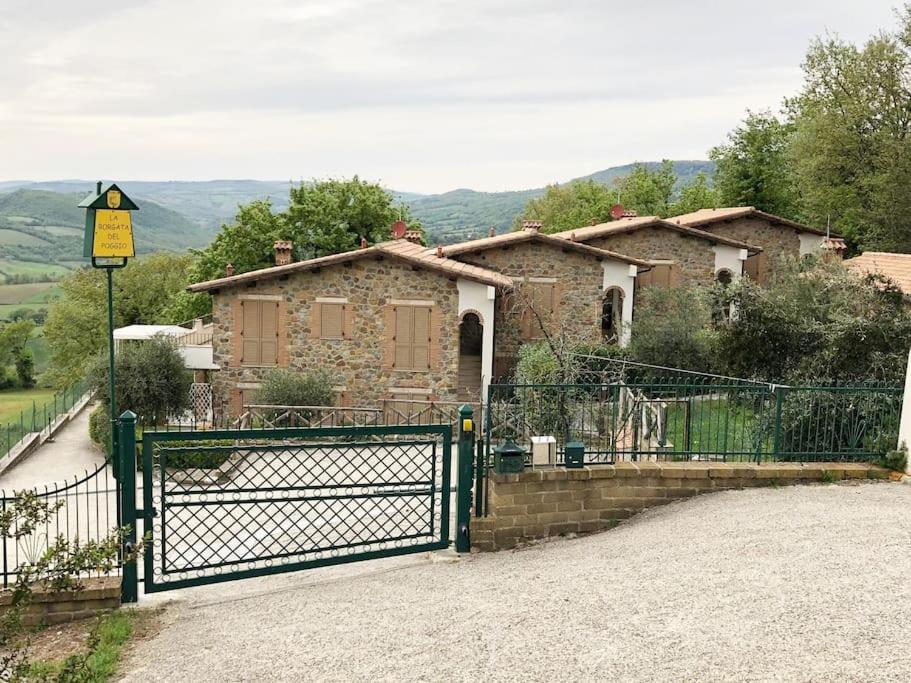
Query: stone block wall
(778, 241)
(57, 607)
(358, 361)
(695, 257)
(580, 290)
(546, 502)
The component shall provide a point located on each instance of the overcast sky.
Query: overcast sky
(423, 96)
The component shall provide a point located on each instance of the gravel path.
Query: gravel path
(793, 584)
(70, 454)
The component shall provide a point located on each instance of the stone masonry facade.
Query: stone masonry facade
(778, 242)
(359, 361)
(542, 503)
(694, 256)
(579, 293)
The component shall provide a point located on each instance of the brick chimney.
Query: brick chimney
(413, 236)
(531, 226)
(229, 270)
(629, 213)
(833, 249)
(283, 249)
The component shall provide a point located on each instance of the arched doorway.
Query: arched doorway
(612, 315)
(722, 313)
(471, 335)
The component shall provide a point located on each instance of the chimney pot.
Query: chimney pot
(439, 252)
(413, 236)
(363, 242)
(532, 226)
(594, 221)
(283, 249)
(229, 270)
(492, 232)
(572, 237)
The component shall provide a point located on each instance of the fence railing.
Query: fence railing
(39, 417)
(708, 420)
(88, 512)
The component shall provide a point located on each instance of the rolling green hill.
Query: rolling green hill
(41, 232)
(178, 214)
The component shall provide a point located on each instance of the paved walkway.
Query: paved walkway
(70, 453)
(790, 584)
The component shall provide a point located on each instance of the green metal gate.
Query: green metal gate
(232, 504)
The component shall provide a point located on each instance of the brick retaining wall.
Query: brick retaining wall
(555, 501)
(56, 607)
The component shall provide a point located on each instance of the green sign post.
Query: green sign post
(109, 242)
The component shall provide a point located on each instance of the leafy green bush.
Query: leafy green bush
(207, 454)
(151, 380)
(673, 328)
(100, 426)
(281, 387)
(816, 323)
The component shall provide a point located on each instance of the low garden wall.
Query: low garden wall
(56, 607)
(539, 503)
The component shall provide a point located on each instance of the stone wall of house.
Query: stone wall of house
(359, 361)
(778, 242)
(694, 257)
(554, 501)
(580, 282)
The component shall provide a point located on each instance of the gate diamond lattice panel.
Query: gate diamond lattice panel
(243, 506)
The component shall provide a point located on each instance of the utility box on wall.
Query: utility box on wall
(574, 454)
(508, 458)
(543, 450)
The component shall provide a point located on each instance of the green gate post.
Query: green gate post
(463, 489)
(779, 400)
(129, 587)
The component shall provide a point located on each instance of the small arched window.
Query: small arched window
(612, 315)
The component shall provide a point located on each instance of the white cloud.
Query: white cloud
(426, 96)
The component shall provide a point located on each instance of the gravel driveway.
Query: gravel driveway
(791, 584)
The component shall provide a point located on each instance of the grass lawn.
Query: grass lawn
(9, 267)
(16, 401)
(716, 426)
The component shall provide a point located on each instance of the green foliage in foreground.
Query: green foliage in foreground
(283, 387)
(98, 663)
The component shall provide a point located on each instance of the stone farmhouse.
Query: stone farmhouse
(679, 254)
(398, 321)
(776, 237)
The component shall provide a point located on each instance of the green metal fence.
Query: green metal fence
(40, 417)
(699, 418)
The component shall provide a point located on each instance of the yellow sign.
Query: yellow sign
(113, 233)
(113, 199)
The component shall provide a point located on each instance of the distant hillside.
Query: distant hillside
(447, 217)
(463, 214)
(41, 231)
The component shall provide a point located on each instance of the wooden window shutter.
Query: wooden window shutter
(268, 338)
(404, 336)
(250, 333)
(420, 344)
(645, 279)
(316, 317)
(673, 275)
(331, 321)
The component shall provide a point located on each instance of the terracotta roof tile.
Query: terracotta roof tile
(412, 253)
(623, 225)
(729, 213)
(896, 267)
(521, 236)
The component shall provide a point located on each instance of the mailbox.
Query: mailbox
(574, 454)
(508, 458)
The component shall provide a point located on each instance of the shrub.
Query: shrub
(281, 387)
(100, 426)
(151, 380)
(673, 328)
(816, 323)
